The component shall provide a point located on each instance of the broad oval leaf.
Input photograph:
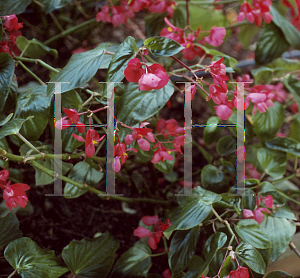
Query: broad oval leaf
(161, 46)
(84, 173)
(9, 229)
(267, 124)
(287, 145)
(7, 68)
(273, 162)
(4, 121)
(13, 127)
(226, 145)
(135, 262)
(280, 231)
(34, 48)
(251, 257)
(270, 44)
(79, 70)
(182, 249)
(211, 131)
(13, 7)
(91, 258)
(249, 231)
(32, 261)
(33, 102)
(278, 274)
(136, 106)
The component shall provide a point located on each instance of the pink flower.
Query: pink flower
(15, 195)
(72, 118)
(171, 126)
(119, 17)
(10, 22)
(4, 175)
(241, 154)
(104, 15)
(223, 111)
(251, 170)
(92, 138)
(161, 154)
(120, 153)
(167, 273)
(216, 36)
(241, 272)
(138, 5)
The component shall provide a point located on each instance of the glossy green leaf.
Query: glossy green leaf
(120, 59)
(211, 131)
(293, 85)
(182, 249)
(6, 119)
(13, 7)
(32, 261)
(91, 258)
(12, 127)
(135, 262)
(79, 70)
(294, 128)
(7, 68)
(273, 162)
(33, 102)
(249, 231)
(214, 179)
(136, 106)
(9, 229)
(249, 200)
(195, 210)
(278, 274)
(162, 46)
(226, 145)
(84, 173)
(251, 257)
(290, 33)
(50, 5)
(227, 267)
(42, 178)
(287, 145)
(167, 165)
(266, 125)
(270, 44)
(280, 231)
(34, 48)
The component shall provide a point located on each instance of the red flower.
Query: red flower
(104, 15)
(241, 272)
(4, 175)
(216, 36)
(223, 111)
(171, 126)
(251, 170)
(139, 133)
(120, 153)
(72, 118)
(167, 273)
(118, 17)
(92, 137)
(10, 22)
(161, 154)
(134, 70)
(15, 195)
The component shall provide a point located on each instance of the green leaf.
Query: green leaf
(251, 257)
(13, 7)
(32, 261)
(91, 258)
(154, 23)
(287, 145)
(4, 145)
(79, 70)
(136, 106)
(50, 5)
(227, 267)
(273, 162)
(182, 249)
(270, 44)
(195, 210)
(4, 121)
(247, 33)
(293, 85)
(249, 231)
(290, 33)
(120, 59)
(280, 231)
(167, 165)
(211, 131)
(33, 102)
(161, 46)
(9, 229)
(7, 68)
(249, 200)
(13, 127)
(135, 262)
(266, 125)
(295, 126)
(214, 179)
(84, 173)
(226, 145)
(34, 48)
(42, 178)
(278, 274)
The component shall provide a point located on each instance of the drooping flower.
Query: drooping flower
(71, 118)
(216, 36)
(161, 154)
(120, 153)
(241, 272)
(92, 138)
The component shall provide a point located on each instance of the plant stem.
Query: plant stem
(288, 197)
(183, 64)
(27, 143)
(12, 274)
(31, 73)
(42, 63)
(69, 31)
(293, 246)
(236, 24)
(284, 179)
(187, 13)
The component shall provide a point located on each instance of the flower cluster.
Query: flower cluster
(215, 38)
(259, 11)
(159, 228)
(148, 78)
(119, 14)
(11, 25)
(13, 194)
(240, 272)
(257, 214)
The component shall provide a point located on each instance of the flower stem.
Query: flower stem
(183, 64)
(12, 274)
(293, 246)
(42, 63)
(27, 143)
(31, 73)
